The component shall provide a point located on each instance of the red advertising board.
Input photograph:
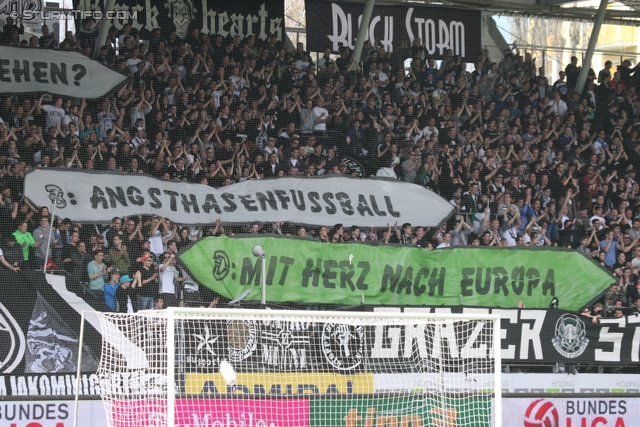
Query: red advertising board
(213, 413)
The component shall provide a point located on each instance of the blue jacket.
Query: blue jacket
(110, 295)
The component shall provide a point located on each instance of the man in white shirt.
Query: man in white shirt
(321, 115)
(558, 105)
(54, 113)
(511, 226)
(598, 215)
(132, 63)
(430, 129)
(167, 275)
(139, 139)
(303, 63)
(237, 79)
(383, 78)
(326, 59)
(446, 241)
(157, 238)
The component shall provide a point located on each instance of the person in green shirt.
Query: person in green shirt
(118, 255)
(25, 240)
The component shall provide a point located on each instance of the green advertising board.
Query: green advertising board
(304, 271)
(413, 410)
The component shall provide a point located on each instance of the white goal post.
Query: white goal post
(186, 367)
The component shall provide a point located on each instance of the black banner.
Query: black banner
(40, 334)
(240, 17)
(335, 24)
(529, 336)
(532, 336)
(271, 345)
(40, 324)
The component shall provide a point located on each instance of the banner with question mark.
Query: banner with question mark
(56, 72)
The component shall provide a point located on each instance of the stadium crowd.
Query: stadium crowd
(524, 160)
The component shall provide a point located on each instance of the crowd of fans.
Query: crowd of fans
(525, 161)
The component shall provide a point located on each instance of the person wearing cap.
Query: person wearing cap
(110, 289)
(125, 292)
(455, 201)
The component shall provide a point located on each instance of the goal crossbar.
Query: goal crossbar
(447, 364)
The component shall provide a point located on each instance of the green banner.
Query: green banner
(413, 410)
(305, 271)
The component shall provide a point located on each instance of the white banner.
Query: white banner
(53, 71)
(85, 196)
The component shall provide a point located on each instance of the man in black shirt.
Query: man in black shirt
(133, 238)
(114, 230)
(69, 252)
(148, 276)
(225, 153)
(12, 251)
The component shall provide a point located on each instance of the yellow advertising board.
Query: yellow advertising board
(281, 383)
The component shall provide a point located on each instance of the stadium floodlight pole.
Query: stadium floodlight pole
(362, 31)
(591, 47)
(259, 252)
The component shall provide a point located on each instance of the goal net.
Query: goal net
(266, 368)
